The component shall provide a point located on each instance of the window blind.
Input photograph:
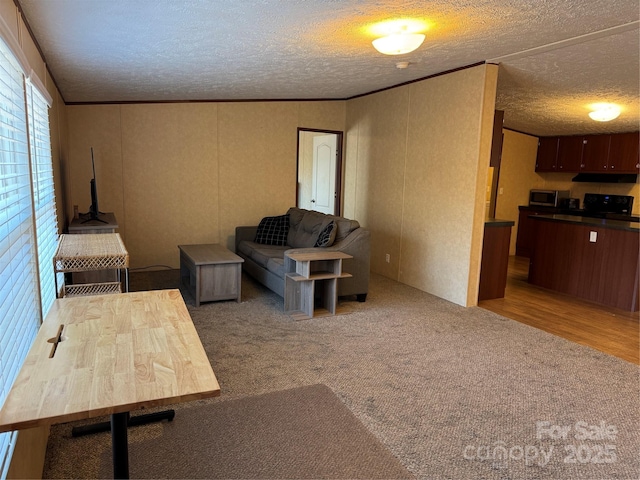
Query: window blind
(19, 305)
(43, 194)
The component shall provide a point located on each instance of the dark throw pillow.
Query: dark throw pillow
(327, 235)
(273, 230)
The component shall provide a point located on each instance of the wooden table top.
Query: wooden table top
(318, 254)
(209, 254)
(118, 353)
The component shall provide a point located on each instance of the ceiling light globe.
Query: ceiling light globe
(398, 43)
(605, 113)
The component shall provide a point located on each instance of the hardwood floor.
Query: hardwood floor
(609, 330)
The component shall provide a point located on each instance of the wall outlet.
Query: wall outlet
(593, 237)
(387, 258)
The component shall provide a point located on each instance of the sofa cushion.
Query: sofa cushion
(344, 226)
(273, 230)
(306, 232)
(261, 253)
(327, 235)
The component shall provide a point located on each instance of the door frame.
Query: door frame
(337, 207)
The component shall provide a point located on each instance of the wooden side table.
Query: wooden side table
(307, 273)
(211, 272)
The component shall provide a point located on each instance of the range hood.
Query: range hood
(606, 177)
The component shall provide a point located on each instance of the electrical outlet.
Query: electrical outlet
(387, 257)
(593, 237)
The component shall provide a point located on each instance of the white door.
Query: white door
(323, 186)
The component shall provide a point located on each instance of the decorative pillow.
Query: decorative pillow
(327, 235)
(273, 230)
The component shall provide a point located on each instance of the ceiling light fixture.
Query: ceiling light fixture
(399, 42)
(604, 112)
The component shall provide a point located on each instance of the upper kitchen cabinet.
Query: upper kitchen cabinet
(595, 153)
(547, 154)
(615, 153)
(624, 153)
(569, 154)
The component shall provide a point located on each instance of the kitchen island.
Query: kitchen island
(591, 258)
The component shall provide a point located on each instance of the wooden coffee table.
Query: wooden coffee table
(211, 272)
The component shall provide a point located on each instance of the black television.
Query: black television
(94, 211)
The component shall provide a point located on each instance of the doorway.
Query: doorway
(319, 173)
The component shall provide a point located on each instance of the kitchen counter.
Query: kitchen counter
(591, 258)
(496, 222)
(594, 222)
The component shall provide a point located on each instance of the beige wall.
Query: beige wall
(189, 172)
(517, 176)
(28, 457)
(417, 159)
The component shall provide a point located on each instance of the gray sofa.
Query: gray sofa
(304, 230)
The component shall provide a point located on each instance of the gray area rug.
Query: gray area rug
(305, 432)
(451, 392)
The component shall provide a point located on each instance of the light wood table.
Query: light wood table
(211, 272)
(115, 354)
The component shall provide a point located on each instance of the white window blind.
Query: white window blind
(19, 305)
(43, 194)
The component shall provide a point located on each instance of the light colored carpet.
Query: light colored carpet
(451, 392)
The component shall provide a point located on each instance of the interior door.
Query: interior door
(323, 183)
(319, 175)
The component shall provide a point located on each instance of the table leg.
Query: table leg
(120, 445)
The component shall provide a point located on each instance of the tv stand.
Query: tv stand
(92, 217)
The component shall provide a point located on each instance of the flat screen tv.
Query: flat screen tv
(94, 211)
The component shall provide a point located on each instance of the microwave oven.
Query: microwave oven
(547, 198)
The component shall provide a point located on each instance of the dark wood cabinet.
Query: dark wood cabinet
(595, 153)
(614, 153)
(593, 262)
(624, 153)
(547, 154)
(525, 234)
(495, 260)
(569, 154)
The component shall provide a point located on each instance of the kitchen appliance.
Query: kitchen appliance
(597, 203)
(547, 198)
(570, 203)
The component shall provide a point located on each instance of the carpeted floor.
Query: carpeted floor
(450, 392)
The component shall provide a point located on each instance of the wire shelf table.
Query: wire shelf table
(81, 253)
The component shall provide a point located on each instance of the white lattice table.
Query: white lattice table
(81, 253)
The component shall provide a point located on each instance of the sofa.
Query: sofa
(263, 247)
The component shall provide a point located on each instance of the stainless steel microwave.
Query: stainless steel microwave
(547, 198)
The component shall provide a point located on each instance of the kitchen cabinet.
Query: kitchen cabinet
(624, 153)
(595, 153)
(569, 154)
(525, 234)
(495, 259)
(547, 154)
(608, 153)
(589, 258)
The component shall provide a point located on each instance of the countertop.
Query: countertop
(592, 222)
(496, 222)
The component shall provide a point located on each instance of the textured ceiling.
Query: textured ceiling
(556, 56)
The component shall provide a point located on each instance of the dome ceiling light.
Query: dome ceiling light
(402, 37)
(604, 112)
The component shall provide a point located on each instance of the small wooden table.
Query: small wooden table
(114, 354)
(306, 271)
(211, 272)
